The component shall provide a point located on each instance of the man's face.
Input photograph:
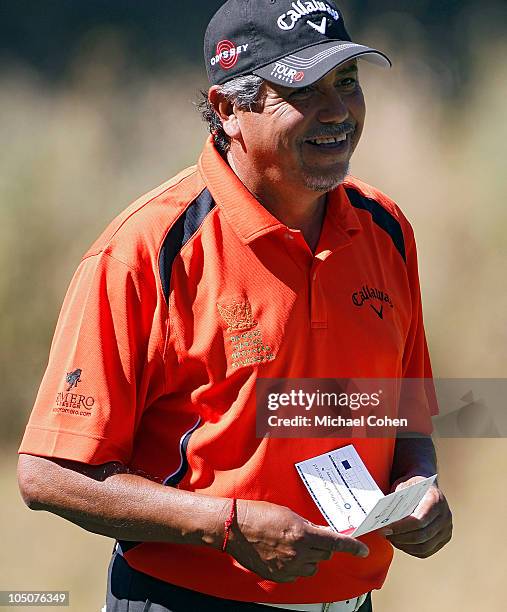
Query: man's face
(306, 136)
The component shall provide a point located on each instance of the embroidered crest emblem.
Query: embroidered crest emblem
(237, 315)
(247, 344)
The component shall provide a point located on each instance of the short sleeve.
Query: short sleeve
(418, 399)
(105, 366)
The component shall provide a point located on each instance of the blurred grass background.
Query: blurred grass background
(97, 108)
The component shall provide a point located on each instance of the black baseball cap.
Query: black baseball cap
(292, 42)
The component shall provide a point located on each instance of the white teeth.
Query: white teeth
(319, 141)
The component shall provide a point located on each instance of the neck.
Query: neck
(302, 210)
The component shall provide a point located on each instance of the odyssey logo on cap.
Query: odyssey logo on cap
(300, 9)
(227, 54)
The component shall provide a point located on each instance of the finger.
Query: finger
(325, 539)
(282, 579)
(276, 575)
(346, 544)
(430, 505)
(445, 541)
(406, 525)
(422, 553)
(320, 538)
(425, 516)
(316, 555)
(309, 569)
(419, 536)
(429, 548)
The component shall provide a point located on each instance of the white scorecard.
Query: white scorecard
(349, 498)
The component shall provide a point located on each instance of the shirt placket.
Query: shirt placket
(318, 308)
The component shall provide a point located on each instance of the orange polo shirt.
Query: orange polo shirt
(190, 296)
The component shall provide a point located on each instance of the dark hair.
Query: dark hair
(244, 91)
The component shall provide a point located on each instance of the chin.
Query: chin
(325, 182)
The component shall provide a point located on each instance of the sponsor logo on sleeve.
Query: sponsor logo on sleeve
(73, 378)
(68, 402)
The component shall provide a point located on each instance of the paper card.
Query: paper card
(341, 486)
(349, 498)
(394, 507)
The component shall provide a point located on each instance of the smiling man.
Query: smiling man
(305, 136)
(245, 267)
(296, 145)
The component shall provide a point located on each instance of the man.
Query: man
(240, 268)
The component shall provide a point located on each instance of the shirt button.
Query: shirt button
(289, 236)
(314, 277)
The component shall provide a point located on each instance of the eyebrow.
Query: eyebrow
(352, 68)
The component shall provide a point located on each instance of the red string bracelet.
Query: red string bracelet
(228, 524)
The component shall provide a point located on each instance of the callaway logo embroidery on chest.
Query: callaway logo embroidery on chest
(248, 347)
(300, 9)
(366, 294)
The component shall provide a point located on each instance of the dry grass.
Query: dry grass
(41, 551)
(467, 575)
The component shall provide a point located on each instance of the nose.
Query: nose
(332, 107)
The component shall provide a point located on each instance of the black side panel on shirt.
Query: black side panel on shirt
(176, 477)
(171, 481)
(180, 233)
(381, 217)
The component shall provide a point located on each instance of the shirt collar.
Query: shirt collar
(247, 216)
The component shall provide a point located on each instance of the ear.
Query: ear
(226, 111)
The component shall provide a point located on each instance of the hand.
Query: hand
(427, 529)
(279, 545)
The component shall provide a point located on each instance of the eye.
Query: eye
(347, 83)
(302, 91)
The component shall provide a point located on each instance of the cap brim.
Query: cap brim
(311, 64)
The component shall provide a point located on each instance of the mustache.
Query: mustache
(331, 131)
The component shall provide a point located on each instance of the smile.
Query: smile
(338, 142)
(327, 140)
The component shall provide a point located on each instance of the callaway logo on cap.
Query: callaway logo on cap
(294, 42)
